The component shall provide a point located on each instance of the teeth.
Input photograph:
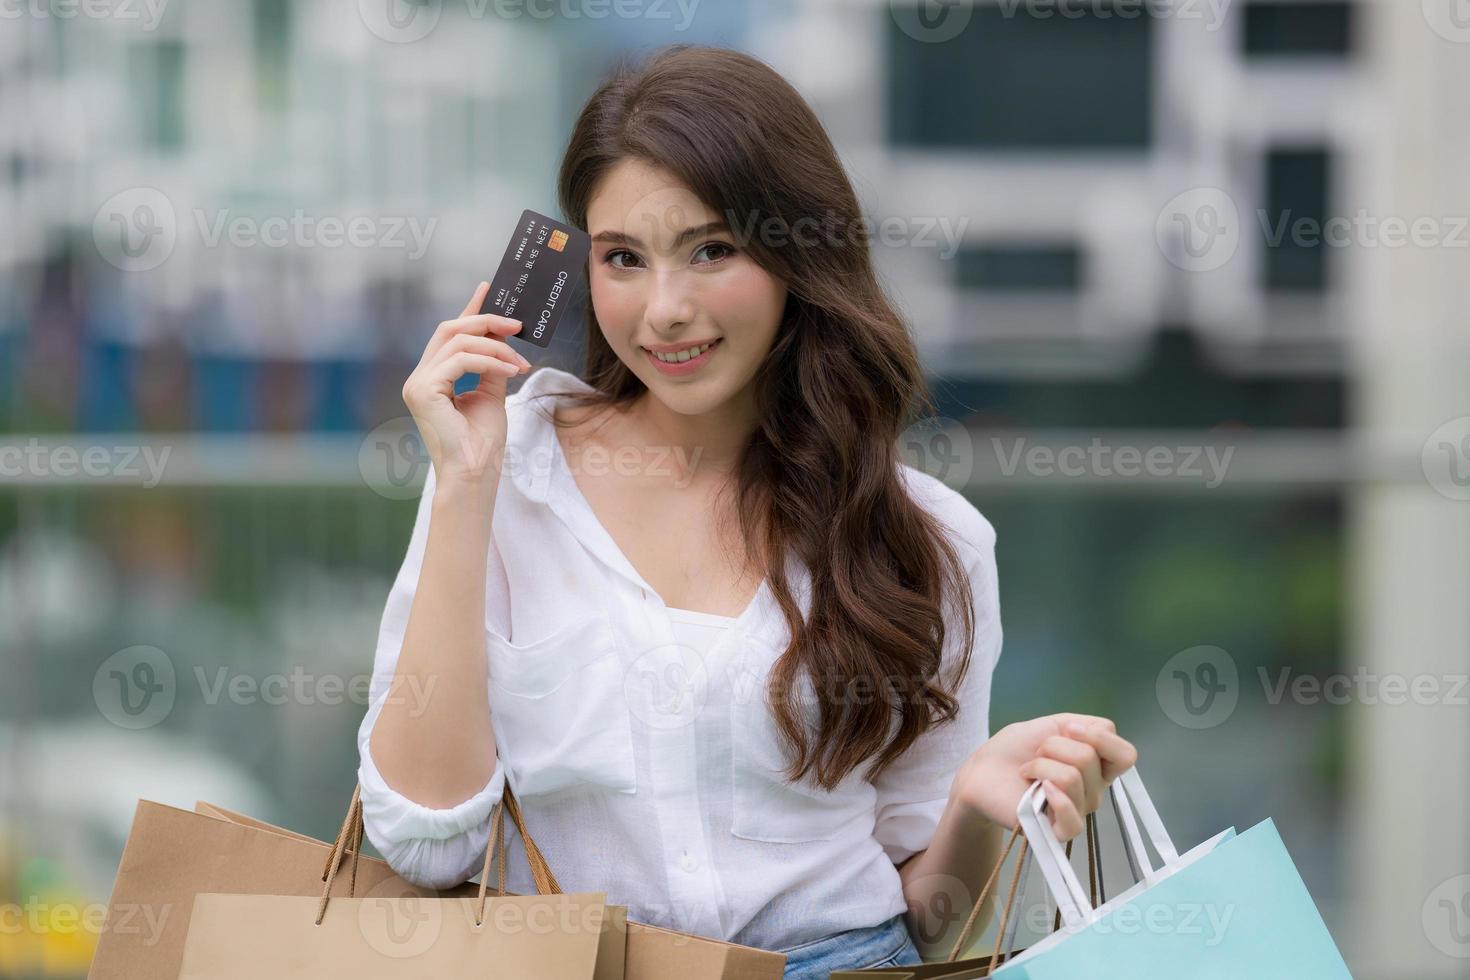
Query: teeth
(682, 355)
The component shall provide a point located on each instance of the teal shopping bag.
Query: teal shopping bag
(1233, 908)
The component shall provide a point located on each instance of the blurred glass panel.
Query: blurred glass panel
(1014, 81)
(1296, 29)
(1296, 213)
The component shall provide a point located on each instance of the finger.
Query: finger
(1116, 753)
(452, 368)
(1081, 756)
(1066, 821)
(471, 321)
(1062, 775)
(1066, 718)
(475, 326)
(477, 300)
(480, 345)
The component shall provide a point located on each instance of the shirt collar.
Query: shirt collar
(530, 433)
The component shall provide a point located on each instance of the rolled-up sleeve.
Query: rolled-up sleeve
(432, 848)
(913, 792)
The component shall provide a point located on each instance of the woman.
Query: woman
(738, 657)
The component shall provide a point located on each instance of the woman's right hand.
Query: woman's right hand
(465, 433)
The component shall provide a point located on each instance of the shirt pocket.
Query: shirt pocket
(560, 718)
(766, 805)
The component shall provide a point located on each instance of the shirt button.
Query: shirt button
(687, 862)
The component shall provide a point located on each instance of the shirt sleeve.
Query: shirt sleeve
(431, 848)
(914, 790)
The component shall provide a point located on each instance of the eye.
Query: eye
(724, 251)
(608, 258)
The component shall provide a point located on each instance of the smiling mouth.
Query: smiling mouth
(685, 354)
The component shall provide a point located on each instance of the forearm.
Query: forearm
(941, 883)
(433, 741)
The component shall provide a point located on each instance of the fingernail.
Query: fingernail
(1076, 728)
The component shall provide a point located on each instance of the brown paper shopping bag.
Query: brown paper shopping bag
(171, 855)
(548, 936)
(953, 967)
(653, 953)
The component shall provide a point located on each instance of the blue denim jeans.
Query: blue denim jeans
(886, 944)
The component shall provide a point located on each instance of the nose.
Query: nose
(669, 304)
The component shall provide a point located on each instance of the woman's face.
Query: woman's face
(655, 291)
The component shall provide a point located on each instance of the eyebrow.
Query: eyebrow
(694, 231)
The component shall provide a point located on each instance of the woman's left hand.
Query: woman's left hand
(1075, 757)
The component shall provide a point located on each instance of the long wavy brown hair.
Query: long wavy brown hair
(819, 478)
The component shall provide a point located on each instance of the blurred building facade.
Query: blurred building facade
(233, 227)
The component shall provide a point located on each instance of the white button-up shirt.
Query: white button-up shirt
(646, 768)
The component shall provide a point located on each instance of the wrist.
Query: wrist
(464, 496)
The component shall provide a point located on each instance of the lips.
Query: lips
(680, 353)
(687, 359)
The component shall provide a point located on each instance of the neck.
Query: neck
(712, 441)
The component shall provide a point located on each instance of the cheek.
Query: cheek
(615, 306)
(749, 298)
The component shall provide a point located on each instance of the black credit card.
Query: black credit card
(544, 270)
